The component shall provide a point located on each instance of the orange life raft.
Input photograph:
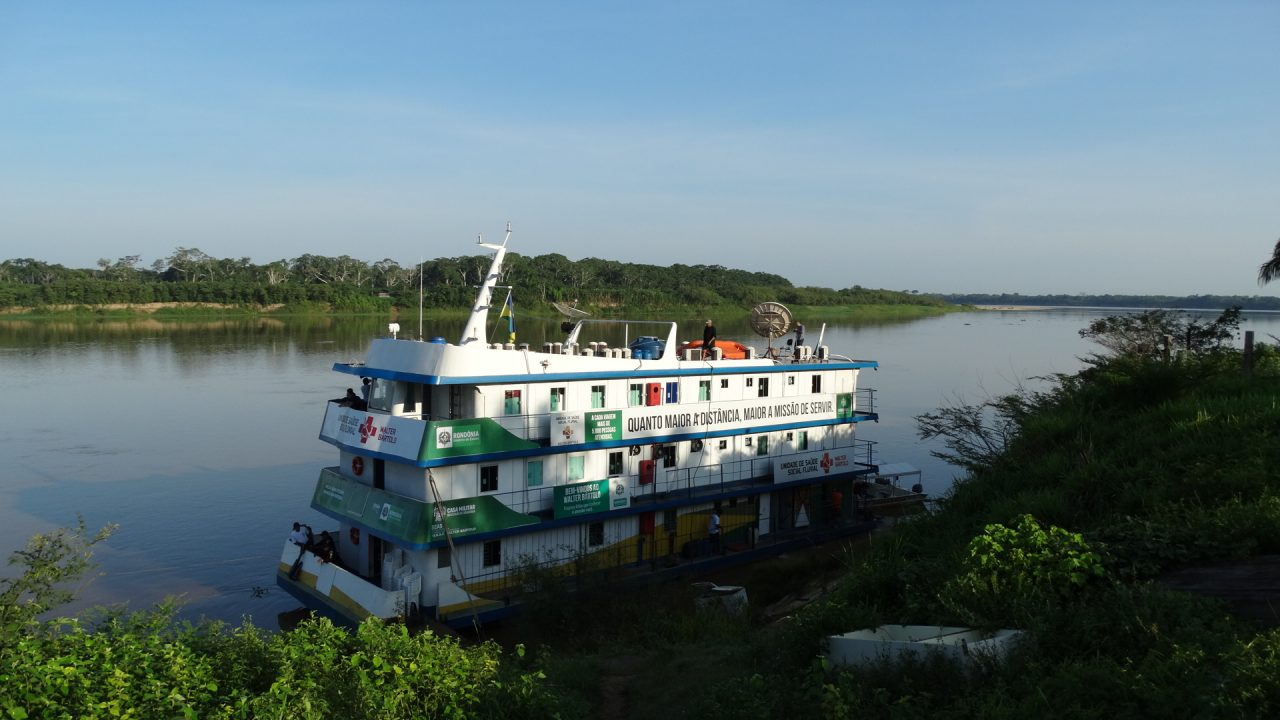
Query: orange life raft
(732, 349)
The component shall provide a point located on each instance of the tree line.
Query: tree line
(344, 282)
(1172, 302)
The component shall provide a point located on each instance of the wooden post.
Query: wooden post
(1248, 353)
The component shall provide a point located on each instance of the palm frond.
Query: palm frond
(1270, 270)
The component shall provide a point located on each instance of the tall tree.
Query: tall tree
(1270, 270)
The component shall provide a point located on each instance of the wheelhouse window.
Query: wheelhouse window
(380, 395)
(511, 402)
(597, 396)
(704, 389)
(493, 553)
(411, 398)
(557, 399)
(488, 478)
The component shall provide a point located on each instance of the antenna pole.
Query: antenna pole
(420, 264)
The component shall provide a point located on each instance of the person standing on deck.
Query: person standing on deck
(713, 531)
(708, 339)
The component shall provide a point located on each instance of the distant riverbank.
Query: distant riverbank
(186, 310)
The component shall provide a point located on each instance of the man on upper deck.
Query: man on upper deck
(708, 339)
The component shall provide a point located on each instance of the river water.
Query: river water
(199, 439)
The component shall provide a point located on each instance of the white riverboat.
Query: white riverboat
(475, 463)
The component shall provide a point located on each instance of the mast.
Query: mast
(474, 331)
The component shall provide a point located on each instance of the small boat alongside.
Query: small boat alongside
(893, 489)
(475, 470)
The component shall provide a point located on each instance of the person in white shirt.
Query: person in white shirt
(713, 531)
(298, 536)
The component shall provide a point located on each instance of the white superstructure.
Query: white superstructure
(474, 464)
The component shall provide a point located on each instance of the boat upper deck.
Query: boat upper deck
(440, 363)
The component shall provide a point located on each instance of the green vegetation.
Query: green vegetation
(147, 665)
(311, 283)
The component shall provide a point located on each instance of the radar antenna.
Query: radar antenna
(770, 320)
(570, 310)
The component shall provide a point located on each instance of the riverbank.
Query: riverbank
(184, 310)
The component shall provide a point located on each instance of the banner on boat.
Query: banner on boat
(416, 440)
(413, 522)
(587, 498)
(810, 465)
(591, 426)
(362, 431)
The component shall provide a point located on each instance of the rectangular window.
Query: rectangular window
(635, 394)
(557, 399)
(380, 394)
(595, 534)
(763, 387)
(791, 379)
(668, 456)
(511, 402)
(615, 463)
(488, 478)
(724, 444)
(597, 396)
(704, 389)
(724, 383)
(455, 401)
(802, 442)
(576, 467)
(444, 557)
(762, 445)
(493, 553)
(669, 521)
(751, 382)
(817, 384)
(673, 392)
(410, 398)
(533, 473)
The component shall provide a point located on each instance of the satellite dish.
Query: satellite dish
(770, 320)
(568, 310)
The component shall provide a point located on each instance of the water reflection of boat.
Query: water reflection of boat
(894, 488)
(481, 471)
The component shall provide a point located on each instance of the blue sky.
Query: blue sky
(1022, 147)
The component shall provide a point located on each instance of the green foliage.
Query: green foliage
(47, 562)
(1009, 574)
(1154, 333)
(347, 284)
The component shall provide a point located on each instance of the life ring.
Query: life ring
(357, 465)
(354, 534)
